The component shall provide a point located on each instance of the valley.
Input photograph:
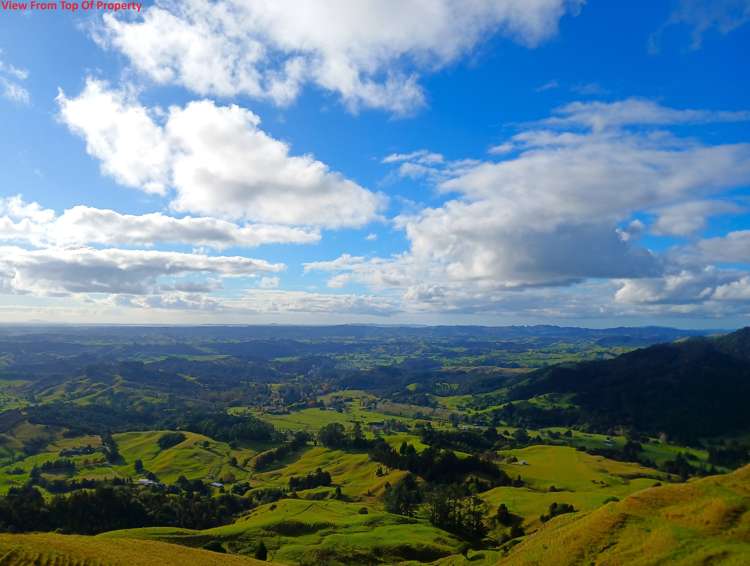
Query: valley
(367, 445)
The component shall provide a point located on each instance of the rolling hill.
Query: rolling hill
(69, 550)
(690, 389)
(705, 521)
(302, 531)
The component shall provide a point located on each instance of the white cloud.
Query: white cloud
(682, 287)
(61, 271)
(217, 160)
(83, 225)
(687, 218)
(635, 111)
(553, 213)
(11, 79)
(501, 149)
(708, 292)
(549, 85)
(269, 282)
(371, 237)
(422, 156)
(279, 302)
(368, 52)
(734, 247)
(122, 134)
(702, 16)
(178, 301)
(343, 262)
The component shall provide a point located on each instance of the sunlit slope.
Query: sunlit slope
(68, 550)
(298, 531)
(562, 474)
(355, 473)
(706, 521)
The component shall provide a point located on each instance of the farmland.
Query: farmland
(385, 454)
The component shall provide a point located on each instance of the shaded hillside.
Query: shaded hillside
(68, 550)
(691, 389)
(736, 344)
(701, 522)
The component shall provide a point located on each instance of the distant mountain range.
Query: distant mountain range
(634, 335)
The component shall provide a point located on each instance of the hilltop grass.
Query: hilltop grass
(69, 550)
(704, 521)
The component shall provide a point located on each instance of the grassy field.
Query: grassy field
(704, 521)
(197, 457)
(66, 550)
(355, 473)
(299, 531)
(655, 450)
(313, 419)
(583, 480)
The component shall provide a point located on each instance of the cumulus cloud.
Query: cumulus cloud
(369, 53)
(279, 302)
(734, 247)
(53, 271)
(560, 211)
(217, 160)
(177, 301)
(121, 134)
(83, 225)
(687, 286)
(709, 292)
(687, 218)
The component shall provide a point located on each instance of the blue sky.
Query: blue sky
(517, 161)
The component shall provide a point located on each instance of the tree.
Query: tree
(449, 508)
(169, 439)
(261, 552)
(503, 515)
(333, 435)
(138, 465)
(404, 497)
(358, 437)
(521, 436)
(556, 509)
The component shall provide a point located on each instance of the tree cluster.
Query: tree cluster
(266, 459)
(312, 480)
(436, 465)
(169, 439)
(110, 507)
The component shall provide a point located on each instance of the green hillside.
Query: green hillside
(564, 475)
(705, 521)
(300, 531)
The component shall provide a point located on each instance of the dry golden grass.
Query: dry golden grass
(65, 550)
(706, 521)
